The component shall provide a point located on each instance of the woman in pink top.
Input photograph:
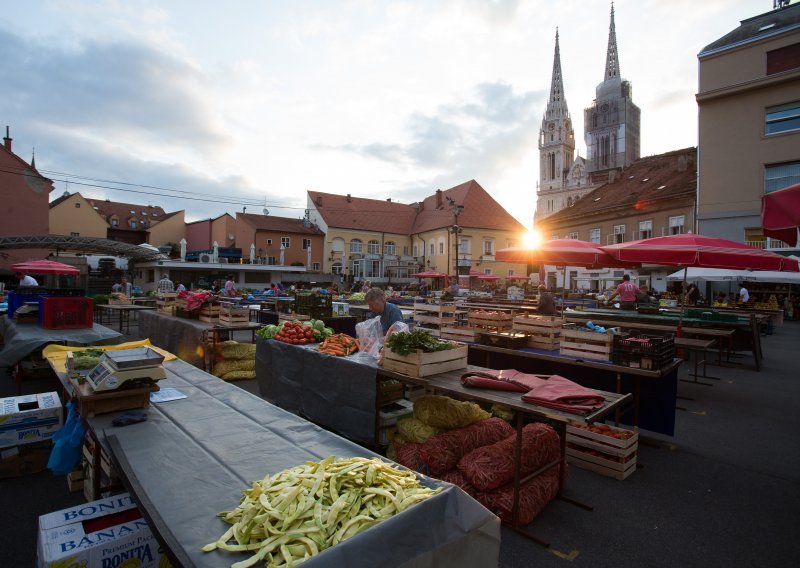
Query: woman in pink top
(627, 294)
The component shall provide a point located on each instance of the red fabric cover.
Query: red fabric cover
(533, 498)
(506, 379)
(442, 452)
(490, 467)
(780, 214)
(562, 394)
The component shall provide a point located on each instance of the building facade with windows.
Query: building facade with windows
(453, 231)
(653, 197)
(749, 123)
(279, 241)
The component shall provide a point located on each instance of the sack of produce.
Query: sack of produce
(455, 477)
(406, 453)
(442, 452)
(238, 375)
(533, 498)
(414, 430)
(446, 413)
(235, 350)
(490, 467)
(226, 366)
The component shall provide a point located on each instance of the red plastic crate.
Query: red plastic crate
(66, 313)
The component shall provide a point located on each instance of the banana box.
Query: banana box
(106, 533)
(29, 418)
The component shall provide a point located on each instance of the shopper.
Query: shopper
(181, 287)
(643, 298)
(165, 285)
(230, 287)
(388, 312)
(744, 295)
(123, 287)
(25, 280)
(547, 303)
(692, 295)
(626, 291)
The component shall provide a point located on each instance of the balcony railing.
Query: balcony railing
(769, 244)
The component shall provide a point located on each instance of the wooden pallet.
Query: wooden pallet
(232, 320)
(421, 364)
(587, 344)
(617, 457)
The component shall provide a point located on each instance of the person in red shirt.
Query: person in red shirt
(627, 294)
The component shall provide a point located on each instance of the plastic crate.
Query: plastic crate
(643, 351)
(66, 312)
(17, 299)
(313, 304)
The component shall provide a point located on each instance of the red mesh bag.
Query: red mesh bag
(455, 477)
(442, 452)
(407, 454)
(490, 467)
(533, 498)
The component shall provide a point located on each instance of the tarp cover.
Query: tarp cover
(177, 335)
(335, 392)
(22, 340)
(193, 458)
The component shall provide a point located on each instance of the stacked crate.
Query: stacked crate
(544, 332)
(165, 303)
(231, 314)
(603, 449)
(209, 312)
(434, 317)
(491, 320)
(643, 351)
(586, 343)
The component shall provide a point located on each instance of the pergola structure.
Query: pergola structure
(85, 245)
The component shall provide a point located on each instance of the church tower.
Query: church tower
(562, 178)
(612, 122)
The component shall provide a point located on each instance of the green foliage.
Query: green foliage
(405, 342)
(101, 299)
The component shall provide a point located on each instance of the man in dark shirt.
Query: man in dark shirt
(547, 304)
(389, 313)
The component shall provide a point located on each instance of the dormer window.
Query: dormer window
(132, 223)
(155, 214)
(143, 212)
(114, 222)
(133, 212)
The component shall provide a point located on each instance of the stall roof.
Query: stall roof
(722, 275)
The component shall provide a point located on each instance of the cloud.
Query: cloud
(120, 91)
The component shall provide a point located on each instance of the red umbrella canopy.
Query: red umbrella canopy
(430, 274)
(488, 277)
(516, 277)
(44, 267)
(698, 250)
(780, 214)
(561, 252)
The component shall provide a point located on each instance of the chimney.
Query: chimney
(438, 198)
(349, 199)
(7, 140)
(319, 201)
(388, 200)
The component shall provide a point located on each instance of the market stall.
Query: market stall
(192, 458)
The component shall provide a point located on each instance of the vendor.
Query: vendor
(25, 280)
(230, 287)
(692, 294)
(123, 287)
(626, 291)
(643, 298)
(388, 312)
(547, 303)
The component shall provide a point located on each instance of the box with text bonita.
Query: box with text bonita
(29, 418)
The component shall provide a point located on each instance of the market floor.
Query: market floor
(725, 491)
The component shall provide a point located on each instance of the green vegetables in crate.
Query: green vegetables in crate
(406, 342)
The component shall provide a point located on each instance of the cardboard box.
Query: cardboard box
(25, 460)
(29, 418)
(101, 533)
(389, 416)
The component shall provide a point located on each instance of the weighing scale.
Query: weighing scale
(127, 368)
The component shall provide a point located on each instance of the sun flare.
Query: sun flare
(531, 239)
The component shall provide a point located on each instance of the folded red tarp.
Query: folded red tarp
(550, 391)
(780, 214)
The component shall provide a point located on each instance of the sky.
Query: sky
(210, 107)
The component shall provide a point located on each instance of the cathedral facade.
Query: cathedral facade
(611, 134)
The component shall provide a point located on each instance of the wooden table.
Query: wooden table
(654, 390)
(697, 346)
(124, 311)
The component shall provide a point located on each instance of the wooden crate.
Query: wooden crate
(233, 315)
(544, 332)
(421, 364)
(209, 313)
(437, 314)
(491, 319)
(610, 456)
(505, 339)
(587, 344)
(91, 403)
(463, 333)
(165, 303)
(293, 317)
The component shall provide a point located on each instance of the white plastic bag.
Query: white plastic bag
(370, 336)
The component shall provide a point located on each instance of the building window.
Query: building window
(355, 245)
(336, 268)
(488, 247)
(676, 225)
(645, 229)
(432, 249)
(114, 222)
(778, 176)
(781, 118)
(315, 266)
(463, 246)
(286, 242)
(415, 250)
(619, 233)
(594, 235)
(77, 206)
(374, 247)
(441, 248)
(405, 250)
(389, 248)
(74, 234)
(487, 270)
(272, 261)
(510, 272)
(269, 242)
(132, 223)
(306, 244)
(573, 235)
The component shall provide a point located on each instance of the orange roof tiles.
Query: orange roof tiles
(279, 224)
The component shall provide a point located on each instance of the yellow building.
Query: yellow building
(72, 214)
(455, 231)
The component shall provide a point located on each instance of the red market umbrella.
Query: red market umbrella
(44, 267)
(430, 274)
(488, 277)
(698, 250)
(780, 214)
(561, 252)
(516, 277)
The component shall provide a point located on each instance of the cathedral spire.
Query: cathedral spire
(612, 57)
(557, 83)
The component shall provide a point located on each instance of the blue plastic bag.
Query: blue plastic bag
(67, 442)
